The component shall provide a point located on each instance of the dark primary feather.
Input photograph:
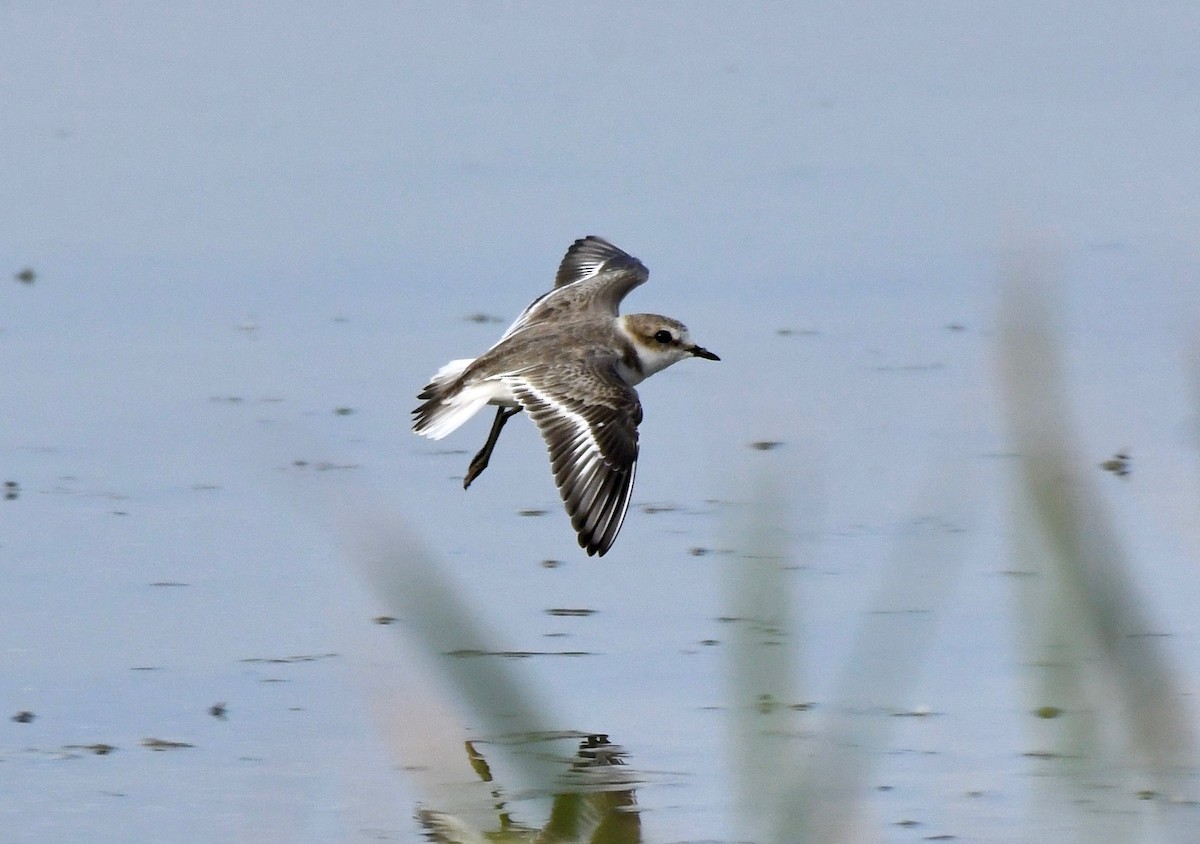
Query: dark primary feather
(590, 253)
(593, 447)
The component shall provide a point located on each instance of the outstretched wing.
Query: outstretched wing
(588, 417)
(591, 256)
(593, 275)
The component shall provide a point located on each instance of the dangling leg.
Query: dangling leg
(480, 461)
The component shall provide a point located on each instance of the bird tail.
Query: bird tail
(446, 404)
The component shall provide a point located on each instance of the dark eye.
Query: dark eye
(663, 336)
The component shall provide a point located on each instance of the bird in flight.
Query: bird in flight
(571, 362)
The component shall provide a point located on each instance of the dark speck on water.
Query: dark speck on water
(765, 445)
(1118, 464)
(24, 717)
(482, 318)
(284, 660)
(100, 749)
(383, 619)
(343, 411)
(531, 512)
(551, 564)
(473, 652)
(12, 490)
(1044, 754)
(322, 465)
(218, 711)
(164, 744)
(26, 276)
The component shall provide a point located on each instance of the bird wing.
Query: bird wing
(588, 417)
(594, 257)
(593, 275)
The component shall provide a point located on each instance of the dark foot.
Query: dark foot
(480, 461)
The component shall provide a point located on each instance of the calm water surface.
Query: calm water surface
(253, 238)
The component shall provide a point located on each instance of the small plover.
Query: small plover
(571, 361)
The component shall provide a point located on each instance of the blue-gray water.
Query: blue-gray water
(240, 221)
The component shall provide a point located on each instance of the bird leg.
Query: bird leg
(480, 461)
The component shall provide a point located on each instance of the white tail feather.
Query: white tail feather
(453, 412)
(450, 371)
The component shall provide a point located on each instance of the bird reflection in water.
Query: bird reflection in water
(595, 804)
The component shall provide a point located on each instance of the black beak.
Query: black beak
(701, 352)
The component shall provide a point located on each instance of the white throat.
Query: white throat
(651, 358)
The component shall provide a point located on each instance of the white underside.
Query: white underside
(464, 404)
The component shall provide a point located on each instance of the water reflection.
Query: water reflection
(596, 802)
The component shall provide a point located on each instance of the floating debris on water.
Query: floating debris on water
(1118, 464)
(164, 744)
(24, 717)
(384, 619)
(26, 276)
(99, 749)
(287, 660)
(12, 490)
(482, 318)
(323, 465)
(551, 564)
(569, 612)
(532, 511)
(343, 411)
(218, 711)
(765, 445)
(474, 652)
(918, 712)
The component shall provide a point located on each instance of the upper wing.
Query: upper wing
(588, 417)
(590, 256)
(593, 274)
